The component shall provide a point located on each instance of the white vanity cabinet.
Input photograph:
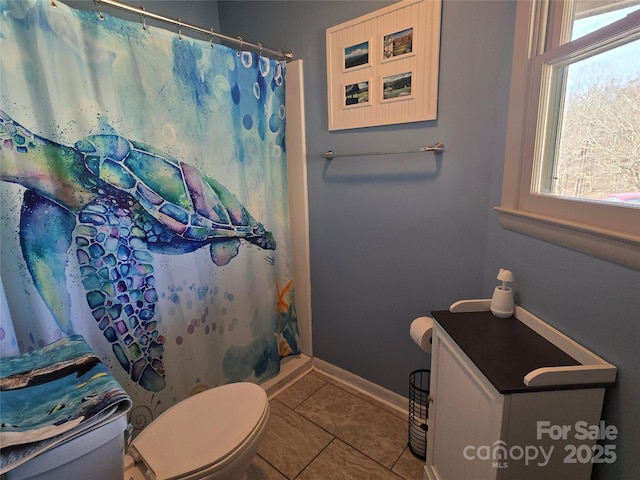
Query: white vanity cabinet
(513, 399)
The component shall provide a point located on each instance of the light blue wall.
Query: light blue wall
(395, 237)
(594, 302)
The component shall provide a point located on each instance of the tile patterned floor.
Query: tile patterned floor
(320, 429)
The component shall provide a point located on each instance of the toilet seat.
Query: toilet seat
(200, 435)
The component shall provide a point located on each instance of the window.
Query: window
(572, 159)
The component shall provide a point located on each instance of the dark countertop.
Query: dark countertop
(503, 349)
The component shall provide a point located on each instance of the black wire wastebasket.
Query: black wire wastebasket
(418, 411)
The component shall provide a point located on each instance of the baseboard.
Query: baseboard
(387, 397)
(291, 369)
(295, 367)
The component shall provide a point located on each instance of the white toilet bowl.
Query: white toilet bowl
(212, 435)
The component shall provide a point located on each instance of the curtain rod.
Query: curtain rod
(278, 54)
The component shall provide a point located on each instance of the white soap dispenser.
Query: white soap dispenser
(502, 300)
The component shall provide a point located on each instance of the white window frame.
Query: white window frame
(607, 231)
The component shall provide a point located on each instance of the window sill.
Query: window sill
(606, 244)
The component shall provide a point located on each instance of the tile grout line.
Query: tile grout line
(336, 382)
(343, 440)
(334, 438)
(319, 453)
(272, 466)
(329, 380)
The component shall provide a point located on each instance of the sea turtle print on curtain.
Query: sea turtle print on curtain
(124, 152)
(129, 201)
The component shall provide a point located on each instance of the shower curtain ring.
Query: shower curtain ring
(259, 49)
(211, 38)
(97, 4)
(144, 19)
(241, 44)
(53, 3)
(179, 29)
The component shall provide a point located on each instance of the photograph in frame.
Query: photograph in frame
(396, 86)
(396, 44)
(356, 94)
(356, 55)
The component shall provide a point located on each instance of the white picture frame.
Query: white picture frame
(402, 39)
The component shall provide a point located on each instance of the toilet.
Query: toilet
(211, 435)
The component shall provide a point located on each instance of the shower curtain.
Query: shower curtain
(143, 201)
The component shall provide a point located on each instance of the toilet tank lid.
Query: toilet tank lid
(201, 430)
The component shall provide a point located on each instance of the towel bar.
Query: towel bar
(437, 148)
